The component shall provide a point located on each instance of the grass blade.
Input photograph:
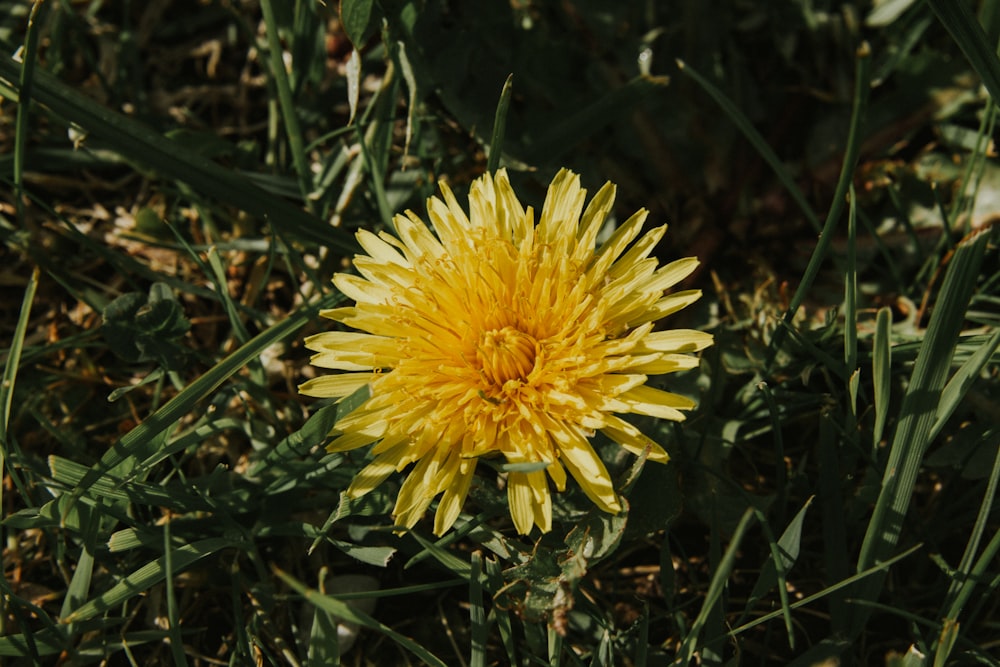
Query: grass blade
(28, 57)
(965, 580)
(917, 416)
(851, 292)
(840, 585)
(344, 611)
(861, 90)
(148, 576)
(756, 140)
(413, 94)
(477, 612)
(962, 380)
(951, 628)
(958, 20)
(781, 474)
(715, 590)
(279, 75)
(881, 372)
(494, 576)
(438, 550)
(138, 142)
(499, 127)
(184, 401)
(12, 364)
(173, 624)
(7, 398)
(784, 553)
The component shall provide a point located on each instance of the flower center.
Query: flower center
(507, 354)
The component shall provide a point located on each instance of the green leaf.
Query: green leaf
(788, 548)
(372, 555)
(140, 328)
(44, 643)
(324, 647)
(544, 586)
(356, 18)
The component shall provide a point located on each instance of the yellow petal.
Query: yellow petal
(417, 491)
(633, 440)
(561, 211)
(657, 403)
(639, 251)
(451, 231)
(593, 220)
(374, 473)
(378, 320)
(361, 290)
(614, 246)
(674, 302)
(614, 384)
(520, 499)
(352, 351)
(556, 471)
(455, 210)
(335, 386)
(541, 500)
(392, 277)
(336, 314)
(417, 238)
(521, 220)
(348, 441)
(671, 274)
(631, 286)
(587, 469)
(637, 311)
(661, 364)
(454, 497)
(379, 249)
(675, 340)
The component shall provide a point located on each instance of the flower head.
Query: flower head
(502, 337)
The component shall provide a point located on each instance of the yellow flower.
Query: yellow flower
(499, 337)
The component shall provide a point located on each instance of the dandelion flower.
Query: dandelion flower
(501, 337)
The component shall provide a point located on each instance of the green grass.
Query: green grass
(180, 186)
